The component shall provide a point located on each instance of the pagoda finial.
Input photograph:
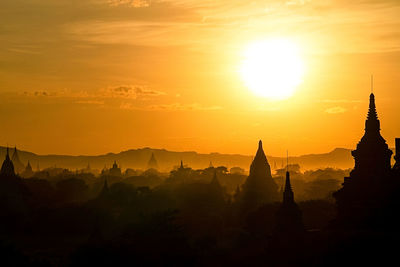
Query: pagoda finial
(260, 144)
(372, 123)
(288, 195)
(181, 164)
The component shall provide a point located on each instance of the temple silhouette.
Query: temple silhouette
(259, 188)
(152, 164)
(289, 215)
(28, 172)
(115, 170)
(7, 168)
(369, 191)
(18, 165)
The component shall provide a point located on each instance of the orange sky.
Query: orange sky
(98, 76)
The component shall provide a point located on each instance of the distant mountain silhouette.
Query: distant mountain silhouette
(138, 159)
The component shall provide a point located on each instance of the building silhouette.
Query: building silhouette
(28, 172)
(289, 215)
(115, 170)
(372, 183)
(152, 164)
(18, 165)
(259, 188)
(7, 168)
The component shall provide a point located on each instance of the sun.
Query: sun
(272, 68)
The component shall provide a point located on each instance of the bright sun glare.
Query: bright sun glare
(272, 68)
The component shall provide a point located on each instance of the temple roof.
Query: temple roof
(28, 166)
(115, 165)
(7, 169)
(260, 159)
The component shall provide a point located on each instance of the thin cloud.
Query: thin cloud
(130, 3)
(336, 110)
(125, 91)
(130, 91)
(181, 107)
(169, 107)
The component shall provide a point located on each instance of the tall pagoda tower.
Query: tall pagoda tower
(289, 216)
(367, 186)
(372, 156)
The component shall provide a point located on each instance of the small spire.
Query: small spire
(260, 150)
(288, 195)
(372, 123)
(181, 164)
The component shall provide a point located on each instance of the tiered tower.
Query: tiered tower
(372, 156)
(370, 182)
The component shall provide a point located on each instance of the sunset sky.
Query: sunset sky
(98, 76)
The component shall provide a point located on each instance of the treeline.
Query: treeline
(186, 217)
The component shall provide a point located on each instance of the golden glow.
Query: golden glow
(272, 68)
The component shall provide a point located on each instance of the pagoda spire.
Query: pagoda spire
(288, 196)
(260, 155)
(289, 216)
(372, 124)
